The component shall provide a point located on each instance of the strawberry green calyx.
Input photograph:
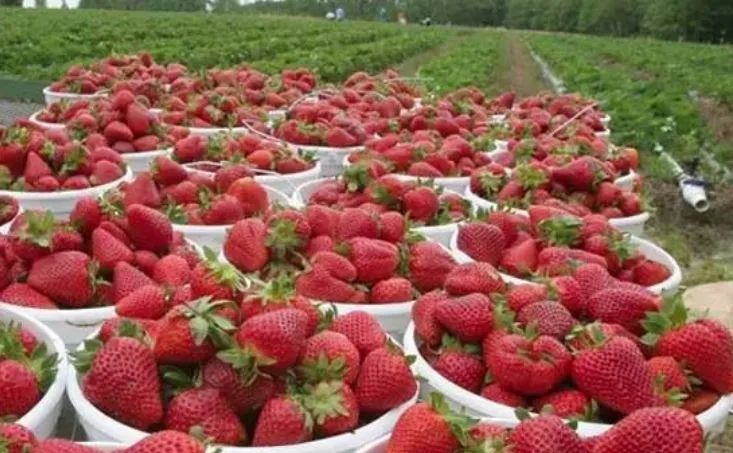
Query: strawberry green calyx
(673, 315)
(357, 177)
(561, 231)
(283, 237)
(451, 343)
(279, 290)
(248, 362)
(225, 273)
(530, 177)
(111, 204)
(459, 423)
(205, 323)
(324, 401)
(38, 228)
(83, 359)
(176, 213)
(323, 369)
(589, 336)
(490, 183)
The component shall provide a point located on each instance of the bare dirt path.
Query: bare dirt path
(516, 70)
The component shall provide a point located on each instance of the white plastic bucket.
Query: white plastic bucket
(626, 182)
(99, 427)
(651, 250)
(604, 134)
(52, 96)
(49, 126)
(209, 131)
(140, 162)
(5, 228)
(632, 224)
(606, 119)
(286, 184)
(213, 236)
(713, 420)
(61, 203)
(331, 159)
(72, 325)
(43, 417)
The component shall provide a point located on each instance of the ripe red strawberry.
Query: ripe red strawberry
(424, 170)
(357, 223)
(283, 421)
(528, 366)
(192, 332)
(252, 196)
(86, 215)
(333, 406)
(613, 371)
(271, 342)
(566, 403)
(649, 273)
(545, 434)
(669, 379)
(427, 427)
(117, 131)
(550, 317)
(22, 383)
(567, 291)
(167, 172)
(121, 379)
(226, 176)
(137, 119)
(521, 259)
(476, 277)
(319, 284)
(581, 174)
(624, 306)
(421, 204)
(592, 278)
(242, 396)
(362, 329)
(35, 168)
(427, 326)
(120, 327)
(700, 400)
(65, 277)
(495, 392)
(142, 190)
(661, 430)
(460, 364)
(339, 138)
(146, 302)
(23, 295)
(321, 354)
(519, 296)
(149, 229)
(245, 245)
(62, 446)
(374, 259)
(385, 380)
(206, 409)
(17, 439)
(171, 270)
(470, 317)
(104, 172)
(336, 265)
(429, 265)
(703, 346)
(392, 290)
(482, 242)
(221, 210)
(107, 250)
(165, 441)
(126, 279)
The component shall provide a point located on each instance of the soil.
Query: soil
(517, 71)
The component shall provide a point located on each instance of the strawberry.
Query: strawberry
(86, 215)
(421, 204)
(522, 259)
(252, 196)
(582, 174)
(126, 279)
(17, 439)
(142, 190)
(65, 277)
(35, 169)
(121, 379)
(146, 302)
(460, 365)
(65, 239)
(374, 259)
(385, 380)
(271, 342)
(242, 397)
(149, 229)
(613, 371)
(137, 119)
(567, 291)
(319, 284)
(551, 318)
(329, 355)
(62, 446)
(23, 380)
(429, 265)
(544, 434)
(336, 265)
(427, 427)
(117, 131)
(649, 273)
(592, 278)
(704, 346)
(470, 278)
(531, 365)
(665, 429)
(362, 329)
(23, 295)
(107, 250)
(333, 407)
(482, 242)
(221, 210)
(105, 172)
(624, 306)
(392, 290)
(192, 332)
(495, 392)
(670, 380)
(357, 223)
(567, 403)
(171, 270)
(700, 400)
(470, 317)
(245, 245)
(167, 441)
(424, 170)
(339, 138)
(167, 172)
(226, 176)
(427, 326)
(207, 410)
(283, 421)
